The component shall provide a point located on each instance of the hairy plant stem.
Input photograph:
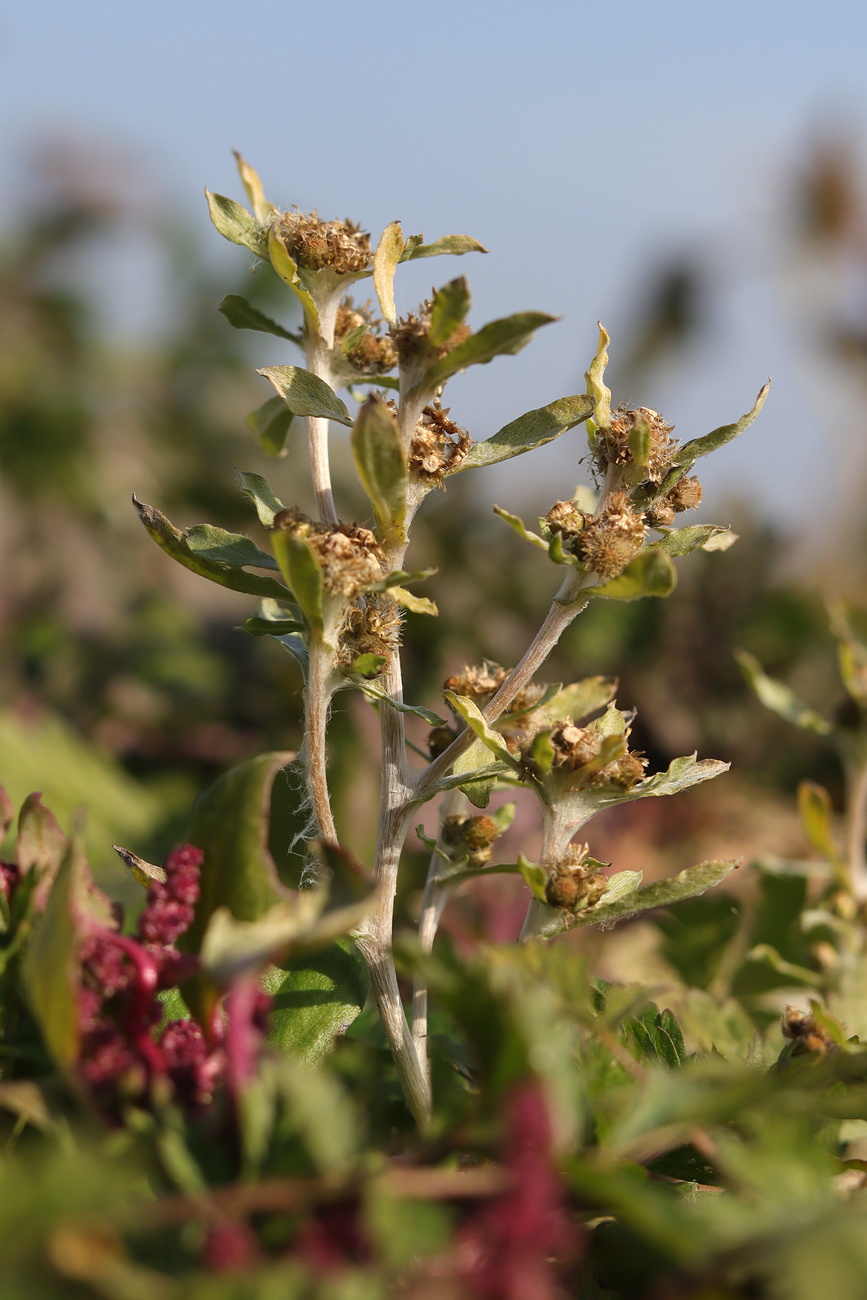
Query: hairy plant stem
(557, 830)
(317, 350)
(317, 702)
(856, 825)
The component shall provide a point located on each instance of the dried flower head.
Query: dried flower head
(574, 747)
(660, 515)
(565, 517)
(685, 495)
(808, 1036)
(372, 625)
(438, 445)
(572, 884)
(613, 444)
(482, 681)
(610, 539)
(410, 336)
(349, 555)
(316, 244)
(372, 353)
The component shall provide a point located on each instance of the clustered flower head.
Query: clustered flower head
(372, 624)
(349, 555)
(118, 1006)
(470, 837)
(438, 446)
(575, 747)
(613, 445)
(574, 882)
(481, 682)
(410, 336)
(315, 244)
(9, 878)
(371, 353)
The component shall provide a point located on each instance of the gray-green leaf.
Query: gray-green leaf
(271, 422)
(499, 338)
(455, 244)
(381, 465)
(254, 486)
(690, 451)
(227, 548)
(306, 394)
(533, 429)
(448, 310)
(244, 316)
(779, 699)
(236, 224)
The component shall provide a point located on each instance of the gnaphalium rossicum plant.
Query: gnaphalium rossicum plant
(333, 591)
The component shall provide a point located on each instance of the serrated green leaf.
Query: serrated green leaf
(244, 316)
(448, 310)
(683, 541)
(375, 692)
(457, 245)
(650, 574)
(381, 465)
(689, 453)
(306, 394)
(217, 545)
(316, 998)
(287, 270)
(473, 717)
(235, 224)
(680, 774)
(595, 379)
(499, 338)
(175, 544)
(534, 429)
(300, 567)
(514, 521)
(779, 699)
(254, 486)
(612, 722)
(577, 700)
(389, 252)
(271, 423)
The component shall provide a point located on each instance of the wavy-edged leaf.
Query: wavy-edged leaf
(271, 423)
(315, 999)
(533, 429)
(244, 316)
(234, 549)
(375, 692)
(473, 717)
(779, 699)
(287, 270)
(448, 310)
(683, 541)
(577, 700)
(689, 453)
(650, 574)
(300, 567)
(457, 245)
(474, 774)
(415, 604)
(515, 521)
(502, 337)
(381, 465)
(142, 871)
(236, 224)
(306, 394)
(681, 774)
(253, 188)
(175, 544)
(595, 379)
(389, 252)
(689, 883)
(254, 486)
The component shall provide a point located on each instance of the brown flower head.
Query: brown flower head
(349, 555)
(371, 353)
(410, 336)
(316, 244)
(372, 625)
(574, 747)
(565, 517)
(685, 495)
(572, 885)
(609, 540)
(482, 681)
(438, 445)
(613, 446)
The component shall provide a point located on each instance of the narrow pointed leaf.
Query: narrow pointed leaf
(455, 244)
(253, 187)
(381, 465)
(175, 544)
(271, 423)
(244, 316)
(50, 970)
(531, 430)
(388, 254)
(779, 699)
(596, 386)
(514, 521)
(683, 541)
(473, 717)
(142, 872)
(448, 310)
(254, 486)
(689, 883)
(814, 805)
(415, 604)
(305, 394)
(500, 338)
(288, 273)
(375, 692)
(236, 224)
(300, 567)
(273, 618)
(650, 574)
(228, 548)
(690, 451)
(577, 700)
(621, 884)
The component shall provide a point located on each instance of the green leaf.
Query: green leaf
(368, 665)
(217, 545)
(814, 805)
(683, 541)
(779, 699)
(235, 224)
(288, 273)
(381, 465)
(542, 752)
(271, 423)
(415, 604)
(41, 845)
(473, 717)
(50, 968)
(688, 883)
(305, 394)
(596, 384)
(253, 187)
(448, 310)
(499, 338)
(474, 759)
(244, 316)
(514, 521)
(388, 254)
(255, 487)
(375, 692)
(455, 244)
(577, 700)
(766, 955)
(533, 429)
(689, 453)
(535, 877)
(273, 618)
(650, 574)
(175, 544)
(620, 885)
(315, 999)
(141, 871)
(680, 774)
(640, 442)
(300, 567)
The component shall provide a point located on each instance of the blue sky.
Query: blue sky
(578, 142)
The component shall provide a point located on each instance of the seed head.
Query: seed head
(372, 625)
(482, 681)
(316, 244)
(612, 538)
(410, 336)
(565, 517)
(613, 446)
(373, 353)
(349, 555)
(571, 884)
(438, 445)
(685, 495)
